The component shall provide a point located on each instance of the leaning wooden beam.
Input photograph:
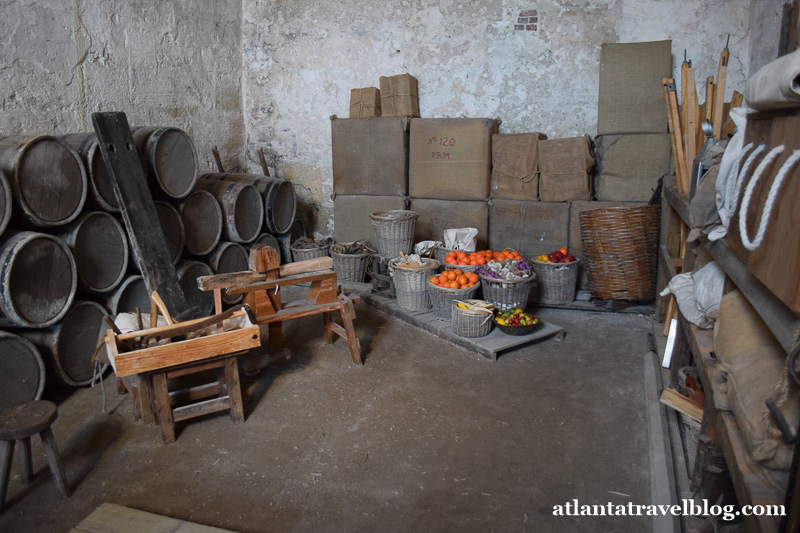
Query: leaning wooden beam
(129, 182)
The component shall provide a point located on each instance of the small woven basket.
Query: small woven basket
(620, 245)
(394, 231)
(557, 281)
(469, 323)
(304, 252)
(507, 294)
(351, 260)
(410, 284)
(442, 298)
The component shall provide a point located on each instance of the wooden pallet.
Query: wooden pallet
(489, 346)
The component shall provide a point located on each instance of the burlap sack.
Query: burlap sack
(630, 97)
(515, 165)
(629, 166)
(564, 166)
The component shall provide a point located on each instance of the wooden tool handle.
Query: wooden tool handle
(157, 304)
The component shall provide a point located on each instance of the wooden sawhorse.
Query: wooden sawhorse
(261, 289)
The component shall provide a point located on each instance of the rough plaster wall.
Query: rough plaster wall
(302, 57)
(172, 63)
(766, 17)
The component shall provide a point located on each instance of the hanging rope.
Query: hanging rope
(773, 194)
(733, 186)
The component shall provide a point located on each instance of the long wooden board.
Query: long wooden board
(113, 518)
(129, 182)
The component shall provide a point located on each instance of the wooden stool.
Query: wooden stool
(18, 424)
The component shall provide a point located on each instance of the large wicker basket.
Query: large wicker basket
(394, 232)
(303, 252)
(469, 323)
(557, 282)
(442, 298)
(410, 284)
(620, 245)
(350, 267)
(507, 294)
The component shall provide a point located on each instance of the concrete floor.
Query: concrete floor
(425, 436)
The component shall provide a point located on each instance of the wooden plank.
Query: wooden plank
(128, 179)
(662, 474)
(201, 408)
(113, 518)
(692, 124)
(489, 346)
(677, 200)
(674, 123)
(176, 353)
(719, 92)
(281, 282)
(675, 400)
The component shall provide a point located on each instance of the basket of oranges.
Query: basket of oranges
(452, 284)
(466, 261)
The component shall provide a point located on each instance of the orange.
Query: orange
(458, 271)
(434, 280)
(563, 251)
(472, 276)
(480, 260)
(470, 284)
(451, 253)
(451, 275)
(489, 254)
(450, 260)
(462, 279)
(454, 285)
(443, 279)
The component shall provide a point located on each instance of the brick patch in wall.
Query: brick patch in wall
(527, 20)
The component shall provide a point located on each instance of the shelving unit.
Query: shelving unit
(699, 344)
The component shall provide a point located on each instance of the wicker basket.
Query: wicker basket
(557, 281)
(468, 323)
(394, 232)
(351, 267)
(303, 253)
(621, 249)
(507, 294)
(442, 298)
(410, 284)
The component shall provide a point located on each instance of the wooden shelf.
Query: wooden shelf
(750, 488)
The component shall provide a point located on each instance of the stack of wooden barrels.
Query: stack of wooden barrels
(65, 256)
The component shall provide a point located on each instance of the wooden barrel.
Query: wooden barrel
(280, 202)
(47, 178)
(99, 245)
(130, 295)
(67, 347)
(170, 158)
(202, 222)
(38, 280)
(268, 240)
(229, 257)
(242, 208)
(188, 272)
(101, 192)
(6, 202)
(172, 226)
(22, 371)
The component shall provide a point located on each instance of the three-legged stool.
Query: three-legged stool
(20, 423)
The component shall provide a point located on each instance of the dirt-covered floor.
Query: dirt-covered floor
(426, 436)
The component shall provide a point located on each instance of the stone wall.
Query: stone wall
(174, 63)
(472, 59)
